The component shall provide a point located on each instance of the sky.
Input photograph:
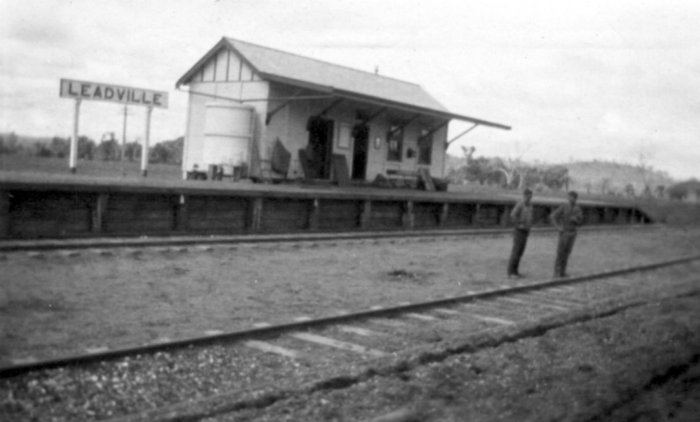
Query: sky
(577, 80)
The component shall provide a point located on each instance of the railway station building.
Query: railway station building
(264, 112)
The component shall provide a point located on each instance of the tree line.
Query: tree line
(108, 149)
(633, 181)
(508, 173)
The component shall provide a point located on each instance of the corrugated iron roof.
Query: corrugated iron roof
(271, 62)
(281, 66)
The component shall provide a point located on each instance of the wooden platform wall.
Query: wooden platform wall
(68, 212)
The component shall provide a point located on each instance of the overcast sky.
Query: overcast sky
(610, 80)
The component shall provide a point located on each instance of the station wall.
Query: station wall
(227, 76)
(289, 126)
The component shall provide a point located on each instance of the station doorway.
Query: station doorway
(360, 134)
(320, 148)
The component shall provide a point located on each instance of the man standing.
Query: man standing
(566, 219)
(522, 220)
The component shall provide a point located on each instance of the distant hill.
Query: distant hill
(598, 177)
(27, 141)
(30, 141)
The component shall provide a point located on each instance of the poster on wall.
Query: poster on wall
(344, 135)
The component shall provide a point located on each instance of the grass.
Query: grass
(38, 165)
(57, 304)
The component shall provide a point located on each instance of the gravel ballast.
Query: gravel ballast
(598, 370)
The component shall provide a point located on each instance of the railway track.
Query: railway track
(223, 372)
(99, 245)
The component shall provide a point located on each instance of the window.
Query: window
(394, 142)
(425, 147)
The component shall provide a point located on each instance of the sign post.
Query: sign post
(74, 140)
(81, 90)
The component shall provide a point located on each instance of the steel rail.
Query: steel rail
(129, 242)
(230, 337)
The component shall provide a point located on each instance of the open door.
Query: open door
(360, 134)
(320, 148)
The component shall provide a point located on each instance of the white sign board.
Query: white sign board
(113, 93)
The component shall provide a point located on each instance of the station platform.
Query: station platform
(67, 206)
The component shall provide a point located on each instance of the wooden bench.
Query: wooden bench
(196, 175)
(411, 178)
(402, 178)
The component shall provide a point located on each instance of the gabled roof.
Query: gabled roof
(275, 65)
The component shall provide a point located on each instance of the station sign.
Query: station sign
(113, 93)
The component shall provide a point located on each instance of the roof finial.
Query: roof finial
(376, 69)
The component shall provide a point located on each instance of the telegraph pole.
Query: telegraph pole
(123, 149)
(144, 147)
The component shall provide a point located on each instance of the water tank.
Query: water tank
(228, 129)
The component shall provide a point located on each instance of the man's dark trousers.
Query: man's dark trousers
(519, 242)
(564, 247)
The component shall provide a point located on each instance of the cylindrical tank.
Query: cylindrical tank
(228, 129)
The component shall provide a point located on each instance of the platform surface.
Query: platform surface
(48, 181)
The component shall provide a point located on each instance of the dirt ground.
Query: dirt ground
(55, 303)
